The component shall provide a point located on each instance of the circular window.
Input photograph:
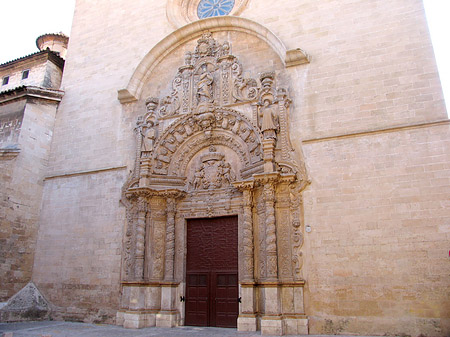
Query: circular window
(209, 8)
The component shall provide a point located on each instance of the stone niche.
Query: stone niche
(216, 144)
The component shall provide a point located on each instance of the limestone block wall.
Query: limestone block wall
(78, 258)
(378, 206)
(20, 195)
(372, 68)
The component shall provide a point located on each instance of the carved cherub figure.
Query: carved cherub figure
(198, 177)
(227, 174)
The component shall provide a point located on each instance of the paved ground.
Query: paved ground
(69, 329)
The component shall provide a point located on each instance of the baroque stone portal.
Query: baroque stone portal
(216, 144)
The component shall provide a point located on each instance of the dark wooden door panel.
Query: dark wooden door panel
(197, 295)
(226, 300)
(211, 272)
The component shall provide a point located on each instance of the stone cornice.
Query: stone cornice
(7, 154)
(50, 55)
(31, 91)
(147, 192)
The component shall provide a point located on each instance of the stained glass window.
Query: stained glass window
(209, 8)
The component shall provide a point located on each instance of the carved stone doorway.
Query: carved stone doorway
(215, 145)
(212, 272)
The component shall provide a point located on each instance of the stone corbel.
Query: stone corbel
(295, 57)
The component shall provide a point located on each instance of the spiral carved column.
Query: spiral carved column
(247, 229)
(170, 239)
(140, 238)
(271, 236)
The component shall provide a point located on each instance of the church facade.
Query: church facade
(250, 164)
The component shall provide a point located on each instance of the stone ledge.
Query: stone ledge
(8, 154)
(31, 91)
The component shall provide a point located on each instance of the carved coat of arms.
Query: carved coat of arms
(213, 172)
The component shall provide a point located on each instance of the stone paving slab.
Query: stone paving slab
(71, 329)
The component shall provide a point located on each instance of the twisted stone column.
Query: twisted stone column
(247, 229)
(140, 238)
(247, 240)
(271, 235)
(170, 239)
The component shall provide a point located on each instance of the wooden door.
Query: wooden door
(212, 272)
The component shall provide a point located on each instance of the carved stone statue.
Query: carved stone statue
(151, 104)
(205, 86)
(268, 119)
(198, 177)
(148, 133)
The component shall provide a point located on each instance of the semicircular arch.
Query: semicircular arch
(192, 133)
(188, 32)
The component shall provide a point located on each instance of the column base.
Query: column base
(166, 319)
(135, 320)
(271, 325)
(247, 323)
(296, 326)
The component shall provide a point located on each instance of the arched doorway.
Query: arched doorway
(216, 148)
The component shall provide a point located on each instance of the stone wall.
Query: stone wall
(372, 68)
(377, 260)
(78, 254)
(21, 192)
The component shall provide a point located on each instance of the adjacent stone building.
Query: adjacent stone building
(282, 167)
(29, 97)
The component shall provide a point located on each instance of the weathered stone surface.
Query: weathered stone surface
(28, 304)
(366, 116)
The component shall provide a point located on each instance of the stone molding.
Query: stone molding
(31, 91)
(144, 70)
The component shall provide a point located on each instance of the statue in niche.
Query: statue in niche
(146, 125)
(205, 86)
(148, 134)
(268, 119)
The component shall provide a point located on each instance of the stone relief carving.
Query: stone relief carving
(184, 143)
(213, 172)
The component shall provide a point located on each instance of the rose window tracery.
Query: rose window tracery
(209, 8)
